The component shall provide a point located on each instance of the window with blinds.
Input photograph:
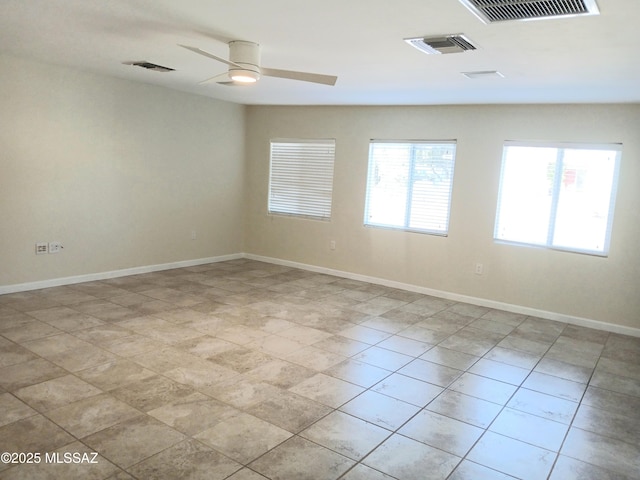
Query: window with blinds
(301, 177)
(409, 185)
(559, 196)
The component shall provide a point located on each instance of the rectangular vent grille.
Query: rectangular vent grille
(150, 66)
(442, 44)
(490, 11)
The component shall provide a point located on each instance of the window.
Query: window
(409, 185)
(559, 196)
(301, 177)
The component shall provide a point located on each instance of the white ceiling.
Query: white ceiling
(568, 60)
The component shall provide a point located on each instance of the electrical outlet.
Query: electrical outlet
(193, 234)
(42, 248)
(332, 244)
(479, 269)
(55, 247)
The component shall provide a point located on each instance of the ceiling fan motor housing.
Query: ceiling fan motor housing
(247, 56)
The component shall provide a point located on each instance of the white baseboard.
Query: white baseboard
(483, 302)
(90, 277)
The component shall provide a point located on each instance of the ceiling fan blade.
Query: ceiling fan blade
(210, 55)
(303, 76)
(223, 79)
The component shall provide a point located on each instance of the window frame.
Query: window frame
(302, 186)
(555, 195)
(408, 201)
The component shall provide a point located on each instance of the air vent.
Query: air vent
(150, 66)
(441, 44)
(490, 11)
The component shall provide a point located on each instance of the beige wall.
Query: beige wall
(119, 172)
(589, 287)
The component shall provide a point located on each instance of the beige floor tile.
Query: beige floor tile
(13, 354)
(604, 452)
(383, 358)
(82, 357)
(483, 388)
(362, 472)
(513, 357)
(327, 390)
(556, 386)
(289, 411)
(14, 377)
(188, 459)
(90, 415)
(531, 429)
(118, 373)
(442, 432)
(467, 470)
(130, 442)
(626, 405)
(408, 389)
(303, 460)
(193, 413)
(607, 423)
(380, 410)
(500, 371)
(66, 319)
(567, 468)
(364, 334)
(56, 392)
(358, 373)
(449, 358)
(301, 375)
(543, 405)
(346, 434)
(467, 409)
(243, 437)
(406, 459)
(280, 373)
(33, 434)
(315, 358)
(512, 457)
(151, 393)
(12, 409)
(430, 372)
(29, 331)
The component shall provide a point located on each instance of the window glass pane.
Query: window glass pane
(558, 196)
(387, 187)
(525, 194)
(432, 183)
(409, 185)
(584, 198)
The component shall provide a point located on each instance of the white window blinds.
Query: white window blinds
(409, 185)
(301, 177)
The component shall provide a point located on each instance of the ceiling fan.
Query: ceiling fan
(244, 67)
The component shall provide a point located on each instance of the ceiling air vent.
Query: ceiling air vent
(441, 44)
(150, 66)
(490, 11)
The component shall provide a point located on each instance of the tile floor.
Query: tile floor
(245, 370)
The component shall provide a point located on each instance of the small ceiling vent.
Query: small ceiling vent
(441, 44)
(150, 66)
(490, 11)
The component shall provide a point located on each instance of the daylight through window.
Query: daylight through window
(559, 196)
(409, 185)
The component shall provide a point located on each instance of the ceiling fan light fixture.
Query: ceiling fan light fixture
(244, 76)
